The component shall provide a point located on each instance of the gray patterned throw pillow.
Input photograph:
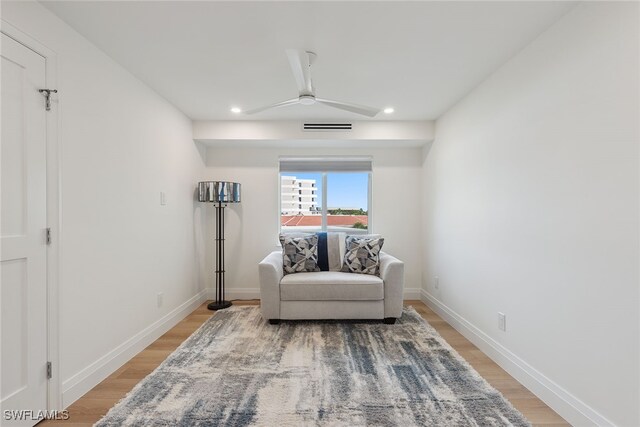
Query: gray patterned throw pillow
(300, 253)
(362, 255)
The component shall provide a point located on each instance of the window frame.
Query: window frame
(323, 224)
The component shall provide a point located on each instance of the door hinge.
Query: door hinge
(47, 95)
(49, 371)
(48, 235)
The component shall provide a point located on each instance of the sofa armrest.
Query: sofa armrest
(392, 274)
(270, 271)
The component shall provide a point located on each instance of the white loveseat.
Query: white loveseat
(331, 294)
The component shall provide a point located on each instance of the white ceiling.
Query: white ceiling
(204, 57)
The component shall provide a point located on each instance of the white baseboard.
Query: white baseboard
(412, 293)
(237, 293)
(254, 293)
(560, 400)
(79, 384)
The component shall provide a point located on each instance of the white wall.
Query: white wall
(531, 208)
(251, 227)
(120, 145)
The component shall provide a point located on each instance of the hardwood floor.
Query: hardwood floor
(93, 405)
(536, 411)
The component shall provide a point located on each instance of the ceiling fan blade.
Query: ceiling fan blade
(354, 108)
(276, 105)
(299, 61)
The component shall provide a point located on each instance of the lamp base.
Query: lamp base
(219, 305)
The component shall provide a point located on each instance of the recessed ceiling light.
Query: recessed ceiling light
(236, 110)
(389, 110)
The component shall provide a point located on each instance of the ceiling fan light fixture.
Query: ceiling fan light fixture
(307, 99)
(389, 110)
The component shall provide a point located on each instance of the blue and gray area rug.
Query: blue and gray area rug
(237, 370)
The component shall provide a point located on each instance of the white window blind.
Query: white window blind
(325, 164)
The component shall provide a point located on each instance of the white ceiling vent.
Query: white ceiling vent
(317, 127)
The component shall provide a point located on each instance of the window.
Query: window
(333, 194)
(347, 195)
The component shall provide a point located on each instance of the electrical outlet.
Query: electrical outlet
(436, 282)
(163, 198)
(502, 321)
(160, 299)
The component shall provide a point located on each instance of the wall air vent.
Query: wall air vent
(316, 127)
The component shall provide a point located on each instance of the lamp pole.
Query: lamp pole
(219, 303)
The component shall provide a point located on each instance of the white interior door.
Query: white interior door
(23, 218)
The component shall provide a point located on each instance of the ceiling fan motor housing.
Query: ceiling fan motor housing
(307, 99)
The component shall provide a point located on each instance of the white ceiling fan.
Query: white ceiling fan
(300, 62)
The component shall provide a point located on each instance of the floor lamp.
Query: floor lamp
(221, 193)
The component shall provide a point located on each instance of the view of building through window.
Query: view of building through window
(300, 196)
(347, 201)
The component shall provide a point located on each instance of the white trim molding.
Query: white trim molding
(237, 293)
(560, 400)
(79, 384)
(412, 293)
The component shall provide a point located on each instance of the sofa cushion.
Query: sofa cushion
(331, 286)
(363, 255)
(300, 254)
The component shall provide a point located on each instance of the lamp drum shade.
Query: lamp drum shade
(219, 192)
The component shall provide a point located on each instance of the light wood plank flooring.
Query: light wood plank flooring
(95, 404)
